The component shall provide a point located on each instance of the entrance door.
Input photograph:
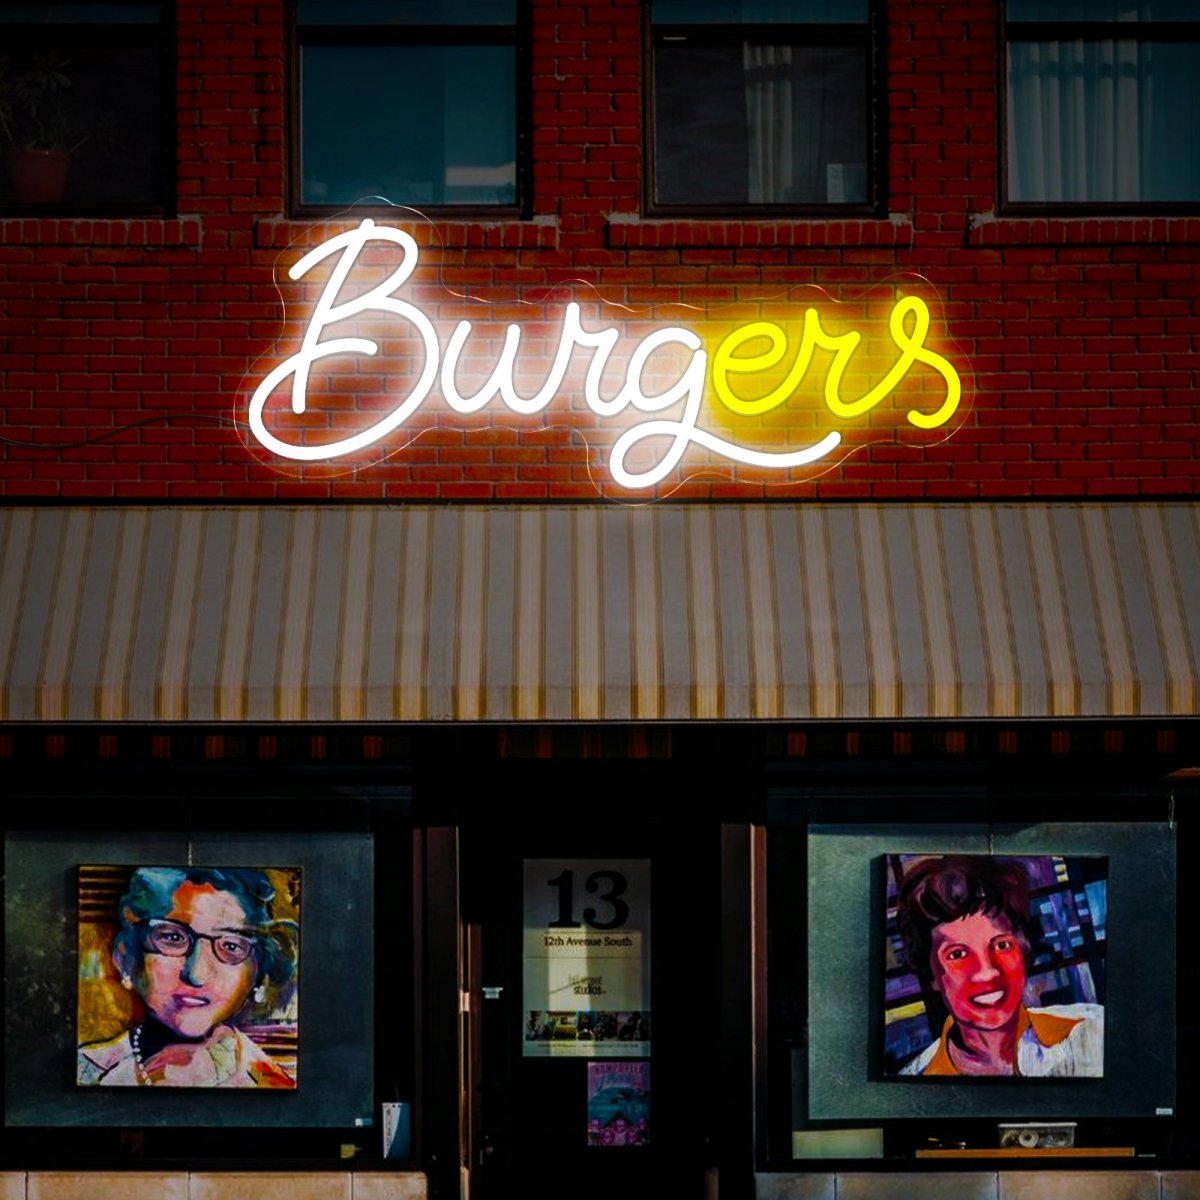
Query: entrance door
(593, 976)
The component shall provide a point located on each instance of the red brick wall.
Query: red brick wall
(129, 349)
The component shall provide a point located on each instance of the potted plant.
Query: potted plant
(35, 129)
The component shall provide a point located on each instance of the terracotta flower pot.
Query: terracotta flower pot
(33, 176)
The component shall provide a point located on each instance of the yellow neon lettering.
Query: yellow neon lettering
(912, 349)
(841, 345)
(726, 361)
(676, 409)
(931, 359)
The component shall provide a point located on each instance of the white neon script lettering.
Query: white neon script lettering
(678, 432)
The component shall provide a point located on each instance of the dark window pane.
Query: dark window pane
(1103, 10)
(753, 12)
(407, 12)
(93, 112)
(130, 13)
(770, 125)
(1103, 121)
(396, 122)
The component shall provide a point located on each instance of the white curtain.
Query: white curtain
(1103, 121)
(769, 116)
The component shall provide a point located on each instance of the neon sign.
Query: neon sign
(734, 356)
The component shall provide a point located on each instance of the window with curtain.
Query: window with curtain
(761, 104)
(406, 102)
(1103, 102)
(86, 115)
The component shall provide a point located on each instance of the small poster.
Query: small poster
(587, 958)
(397, 1130)
(618, 1103)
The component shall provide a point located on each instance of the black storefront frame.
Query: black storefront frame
(714, 771)
(90, 787)
(743, 764)
(1096, 771)
(426, 769)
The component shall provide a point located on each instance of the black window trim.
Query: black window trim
(1094, 31)
(869, 34)
(518, 35)
(160, 33)
(989, 787)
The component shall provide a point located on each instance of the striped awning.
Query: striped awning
(592, 613)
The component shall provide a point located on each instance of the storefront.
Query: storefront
(537, 743)
(497, 617)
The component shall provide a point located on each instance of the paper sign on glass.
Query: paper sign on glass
(587, 958)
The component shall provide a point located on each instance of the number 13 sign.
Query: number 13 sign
(587, 958)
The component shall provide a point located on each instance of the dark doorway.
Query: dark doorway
(591, 932)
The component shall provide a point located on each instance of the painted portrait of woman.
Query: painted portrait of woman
(194, 984)
(969, 934)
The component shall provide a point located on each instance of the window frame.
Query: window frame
(1051, 31)
(517, 35)
(870, 36)
(116, 799)
(985, 791)
(102, 34)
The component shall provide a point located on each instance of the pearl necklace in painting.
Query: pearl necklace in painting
(135, 1042)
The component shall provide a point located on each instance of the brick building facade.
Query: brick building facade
(133, 341)
(983, 621)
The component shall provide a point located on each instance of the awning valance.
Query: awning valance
(544, 613)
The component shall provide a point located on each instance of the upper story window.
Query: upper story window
(762, 105)
(85, 111)
(407, 101)
(1103, 103)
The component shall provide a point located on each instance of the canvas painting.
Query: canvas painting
(995, 966)
(188, 976)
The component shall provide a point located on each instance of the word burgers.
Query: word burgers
(671, 415)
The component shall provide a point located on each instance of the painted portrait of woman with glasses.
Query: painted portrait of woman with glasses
(198, 985)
